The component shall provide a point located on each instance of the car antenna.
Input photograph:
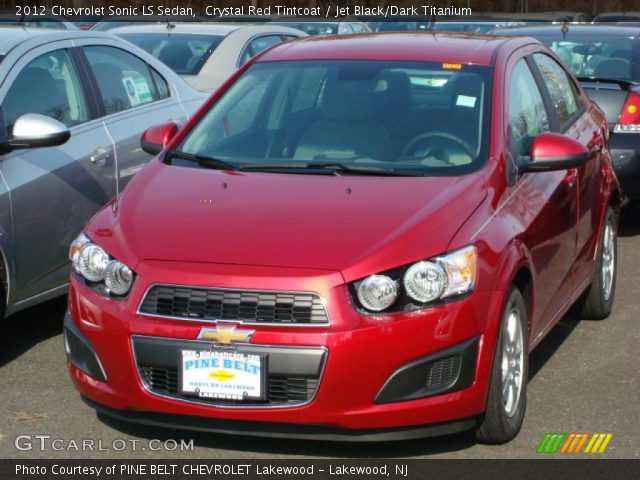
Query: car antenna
(170, 26)
(565, 28)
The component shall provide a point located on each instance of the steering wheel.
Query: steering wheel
(447, 137)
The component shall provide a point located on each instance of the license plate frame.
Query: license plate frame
(219, 382)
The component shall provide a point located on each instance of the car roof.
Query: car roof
(402, 46)
(193, 28)
(12, 36)
(602, 30)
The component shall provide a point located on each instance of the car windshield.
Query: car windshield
(183, 53)
(593, 56)
(411, 118)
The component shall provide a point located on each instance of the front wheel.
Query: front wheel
(507, 400)
(596, 303)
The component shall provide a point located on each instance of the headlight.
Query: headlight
(118, 277)
(93, 262)
(461, 267)
(96, 266)
(426, 281)
(377, 292)
(74, 251)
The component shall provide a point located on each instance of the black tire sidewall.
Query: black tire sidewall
(608, 303)
(496, 426)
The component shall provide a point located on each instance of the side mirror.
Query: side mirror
(554, 151)
(33, 130)
(156, 138)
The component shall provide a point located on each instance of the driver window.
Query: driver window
(527, 115)
(48, 85)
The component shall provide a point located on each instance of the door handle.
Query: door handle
(100, 157)
(571, 177)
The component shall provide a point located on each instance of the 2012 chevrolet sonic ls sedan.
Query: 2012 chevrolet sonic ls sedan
(357, 237)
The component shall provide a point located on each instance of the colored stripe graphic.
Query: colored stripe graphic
(551, 442)
(598, 443)
(574, 443)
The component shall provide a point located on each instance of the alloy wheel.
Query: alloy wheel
(512, 363)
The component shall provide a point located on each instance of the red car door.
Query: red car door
(550, 197)
(581, 126)
(575, 117)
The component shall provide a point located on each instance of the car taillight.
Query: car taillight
(629, 120)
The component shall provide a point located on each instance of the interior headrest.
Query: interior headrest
(392, 91)
(347, 99)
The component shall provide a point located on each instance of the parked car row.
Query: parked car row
(356, 237)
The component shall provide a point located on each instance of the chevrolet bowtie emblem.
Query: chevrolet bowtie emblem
(225, 335)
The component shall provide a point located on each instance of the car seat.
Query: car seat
(392, 98)
(465, 102)
(348, 127)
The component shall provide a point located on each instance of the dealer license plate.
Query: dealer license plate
(223, 374)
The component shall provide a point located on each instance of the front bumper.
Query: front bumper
(364, 376)
(625, 156)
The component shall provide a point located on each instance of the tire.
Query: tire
(504, 414)
(596, 302)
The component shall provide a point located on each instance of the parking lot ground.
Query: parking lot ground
(584, 378)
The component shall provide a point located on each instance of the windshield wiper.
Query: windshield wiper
(327, 168)
(209, 162)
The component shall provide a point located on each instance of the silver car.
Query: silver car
(206, 54)
(72, 107)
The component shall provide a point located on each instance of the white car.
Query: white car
(205, 54)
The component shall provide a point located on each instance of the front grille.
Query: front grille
(282, 390)
(234, 305)
(443, 372)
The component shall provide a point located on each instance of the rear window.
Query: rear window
(183, 53)
(595, 57)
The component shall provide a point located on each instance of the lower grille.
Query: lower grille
(443, 372)
(292, 374)
(282, 390)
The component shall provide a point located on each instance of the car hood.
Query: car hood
(345, 223)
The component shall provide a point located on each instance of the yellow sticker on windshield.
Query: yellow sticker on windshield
(452, 66)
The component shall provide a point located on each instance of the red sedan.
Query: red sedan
(357, 237)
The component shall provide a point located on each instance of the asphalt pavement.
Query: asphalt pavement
(584, 378)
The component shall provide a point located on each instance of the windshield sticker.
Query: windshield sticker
(464, 101)
(137, 89)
